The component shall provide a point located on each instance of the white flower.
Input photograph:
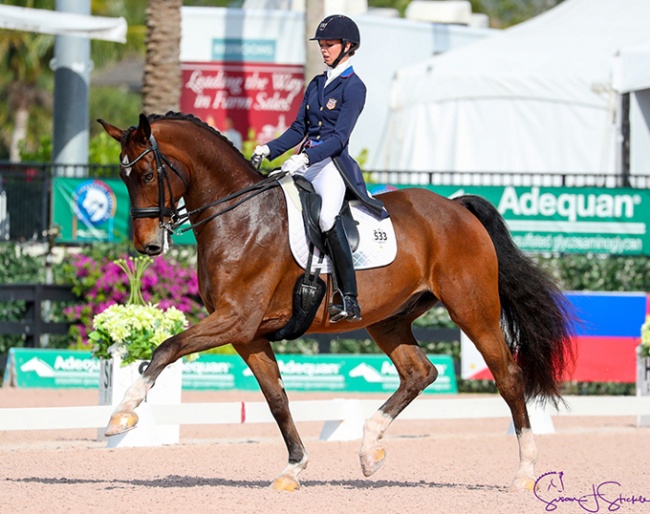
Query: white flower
(135, 330)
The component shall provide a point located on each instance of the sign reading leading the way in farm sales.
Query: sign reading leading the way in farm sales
(243, 72)
(258, 101)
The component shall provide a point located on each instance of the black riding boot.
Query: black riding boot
(340, 254)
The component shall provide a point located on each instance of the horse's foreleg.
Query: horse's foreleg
(415, 371)
(124, 417)
(198, 338)
(259, 357)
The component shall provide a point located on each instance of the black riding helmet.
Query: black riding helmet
(340, 27)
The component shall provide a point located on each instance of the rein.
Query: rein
(175, 215)
(255, 189)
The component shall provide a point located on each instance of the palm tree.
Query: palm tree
(162, 72)
(25, 57)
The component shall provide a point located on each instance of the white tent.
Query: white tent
(63, 23)
(543, 96)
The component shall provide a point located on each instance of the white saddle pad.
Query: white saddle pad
(377, 243)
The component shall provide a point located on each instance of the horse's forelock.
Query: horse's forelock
(126, 135)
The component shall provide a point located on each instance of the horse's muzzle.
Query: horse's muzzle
(152, 249)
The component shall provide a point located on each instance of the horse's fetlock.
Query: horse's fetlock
(431, 376)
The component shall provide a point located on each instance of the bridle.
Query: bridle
(161, 211)
(176, 217)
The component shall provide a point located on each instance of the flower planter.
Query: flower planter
(131, 332)
(115, 379)
(642, 383)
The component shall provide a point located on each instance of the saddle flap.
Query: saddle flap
(311, 206)
(350, 226)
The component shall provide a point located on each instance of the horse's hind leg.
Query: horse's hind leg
(484, 330)
(259, 357)
(395, 338)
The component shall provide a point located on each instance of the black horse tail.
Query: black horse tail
(535, 316)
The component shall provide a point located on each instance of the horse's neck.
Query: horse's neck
(218, 171)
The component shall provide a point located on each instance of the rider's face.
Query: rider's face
(330, 50)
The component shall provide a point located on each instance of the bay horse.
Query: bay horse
(456, 252)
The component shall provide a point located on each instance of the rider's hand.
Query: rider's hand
(296, 163)
(259, 154)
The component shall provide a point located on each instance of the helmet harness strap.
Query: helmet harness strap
(344, 52)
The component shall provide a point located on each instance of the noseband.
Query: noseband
(176, 218)
(161, 211)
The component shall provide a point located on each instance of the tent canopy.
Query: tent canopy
(63, 23)
(539, 97)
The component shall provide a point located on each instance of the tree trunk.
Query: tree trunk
(21, 117)
(161, 89)
(314, 14)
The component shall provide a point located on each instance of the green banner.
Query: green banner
(332, 372)
(541, 219)
(567, 220)
(51, 368)
(93, 210)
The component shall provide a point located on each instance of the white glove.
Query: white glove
(258, 155)
(262, 151)
(296, 163)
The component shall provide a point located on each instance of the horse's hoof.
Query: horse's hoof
(371, 462)
(121, 422)
(285, 483)
(522, 484)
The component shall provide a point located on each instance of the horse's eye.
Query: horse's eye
(148, 177)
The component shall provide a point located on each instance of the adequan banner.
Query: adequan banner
(330, 372)
(566, 219)
(323, 373)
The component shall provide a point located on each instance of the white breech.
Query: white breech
(329, 185)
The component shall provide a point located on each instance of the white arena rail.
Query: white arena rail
(343, 418)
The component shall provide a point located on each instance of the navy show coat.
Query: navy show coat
(324, 124)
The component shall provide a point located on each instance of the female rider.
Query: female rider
(329, 110)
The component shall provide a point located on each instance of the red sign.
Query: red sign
(257, 100)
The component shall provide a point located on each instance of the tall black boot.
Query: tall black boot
(340, 254)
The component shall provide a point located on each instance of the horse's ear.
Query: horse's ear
(143, 133)
(112, 130)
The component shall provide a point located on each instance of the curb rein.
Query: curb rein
(179, 216)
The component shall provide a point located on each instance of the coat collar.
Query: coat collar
(348, 72)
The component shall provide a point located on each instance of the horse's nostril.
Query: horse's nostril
(153, 249)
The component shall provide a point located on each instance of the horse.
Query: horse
(457, 252)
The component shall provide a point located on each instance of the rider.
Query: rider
(329, 110)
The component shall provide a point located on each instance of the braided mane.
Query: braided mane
(171, 115)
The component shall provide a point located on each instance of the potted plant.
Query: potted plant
(133, 331)
(124, 338)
